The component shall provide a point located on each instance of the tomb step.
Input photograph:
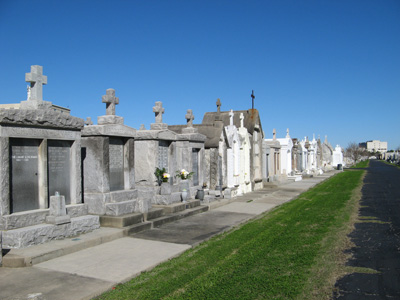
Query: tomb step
(129, 219)
(33, 255)
(179, 215)
(180, 206)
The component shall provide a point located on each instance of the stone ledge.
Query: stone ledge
(26, 257)
(39, 234)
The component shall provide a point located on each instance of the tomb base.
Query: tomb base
(110, 119)
(113, 203)
(38, 216)
(158, 126)
(42, 233)
(167, 199)
(120, 208)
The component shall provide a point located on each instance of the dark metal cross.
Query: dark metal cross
(252, 99)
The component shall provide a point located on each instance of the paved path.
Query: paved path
(377, 238)
(88, 273)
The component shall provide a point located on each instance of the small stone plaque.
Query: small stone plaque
(116, 159)
(59, 153)
(24, 174)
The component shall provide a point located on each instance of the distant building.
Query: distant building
(376, 146)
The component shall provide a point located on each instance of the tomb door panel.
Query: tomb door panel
(59, 168)
(116, 157)
(195, 166)
(24, 180)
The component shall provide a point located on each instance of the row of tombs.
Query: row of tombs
(61, 173)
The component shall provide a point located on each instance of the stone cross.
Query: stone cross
(274, 134)
(37, 80)
(241, 120)
(158, 110)
(88, 121)
(189, 118)
(218, 105)
(231, 114)
(111, 101)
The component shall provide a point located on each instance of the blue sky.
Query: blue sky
(325, 67)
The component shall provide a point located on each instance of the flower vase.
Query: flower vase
(184, 196)
(200, 194)
(184, 185)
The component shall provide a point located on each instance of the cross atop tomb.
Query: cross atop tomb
(218, 105)
(158, 110)
(231, 114)
(88, 121)
(241, 120)
(252, 99)
(111, 101)
(189, 118)
(37, 80)
(274, 134)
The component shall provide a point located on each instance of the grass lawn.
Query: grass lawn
(361, 164)
(292, 252)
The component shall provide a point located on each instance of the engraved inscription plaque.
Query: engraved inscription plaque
(163, 148)
(58, 160)
(116, 159)
(195, 166)
(24, 174)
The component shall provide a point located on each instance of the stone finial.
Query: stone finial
(326, 139)
(142, 127)
(37, 80)
(241, 120)
(274, 134)
(287, 133)
(218, 105)
(158, 110)
(189, 118)
(231, 114)
(111, 101)
(88, 121)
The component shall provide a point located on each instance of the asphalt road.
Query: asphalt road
(377, 238)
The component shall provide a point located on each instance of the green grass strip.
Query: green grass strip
(268, 258)
(361, 164)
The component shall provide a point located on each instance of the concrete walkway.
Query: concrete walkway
(92, 271)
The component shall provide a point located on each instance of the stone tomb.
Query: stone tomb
(161, 147)
(252, 123)
(40, 157)
(108, 164)
(272, 159)
(245, 151)
(190, 154)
